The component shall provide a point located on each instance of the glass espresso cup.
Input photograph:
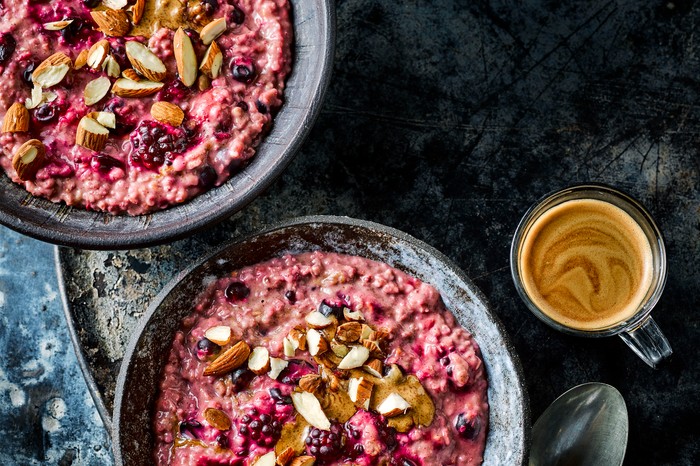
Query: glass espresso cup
(590, 261)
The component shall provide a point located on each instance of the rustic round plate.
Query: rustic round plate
(314, 35)
(148, 349)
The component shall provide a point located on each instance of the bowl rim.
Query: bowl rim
(20, 217)
(324, 220)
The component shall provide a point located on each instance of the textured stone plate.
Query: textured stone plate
(314, 38)
(148, 347)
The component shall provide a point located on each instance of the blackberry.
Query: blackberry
(260, 429)
(236, 291)
(468, 427)
(326, 445)
(154, 144)
(174, 91)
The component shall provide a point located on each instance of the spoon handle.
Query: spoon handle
(648, 342)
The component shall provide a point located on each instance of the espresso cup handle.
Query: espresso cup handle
(648, 342)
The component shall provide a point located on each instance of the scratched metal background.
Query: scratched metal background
(447, 119)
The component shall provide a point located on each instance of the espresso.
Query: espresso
(586, 264)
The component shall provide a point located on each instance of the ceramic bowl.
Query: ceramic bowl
(314, 35)
(146, 354)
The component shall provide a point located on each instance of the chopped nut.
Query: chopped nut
(259, 360)
(349, 332)
(28, 159)
(286, 456)
(311, 383)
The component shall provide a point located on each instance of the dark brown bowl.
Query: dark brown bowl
(314, 33)
(146, 354)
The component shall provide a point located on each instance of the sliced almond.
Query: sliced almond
(81, 59)
(106, 119)
(317, 320)
(211, 31)
(131, 74)
(355, 358)
(185, 58)
(360, 391)
(144, 61)
(308, 406)
(298, 337)
(366, 332)
(393, 405)
(277, 365)
(259, 360)
(339, 350)
(290, 348)
(16, 119)
(285, 456)
(349, 332)
(96, 90)
(211, 63)
(303, 461)
(114, 4)
(268, 459)
(165, 112)
(317, 344)
(28, 159)
(231, 359)
(57, 25)
(353, 315)
(52, 70)
(137, 10)
(311, 383)
(217, 419)
(374, 367)
(127, 88)
(91, 134)
(97, 54)
(219, 334)
(36, 99)
(113, 23)
(111, 67)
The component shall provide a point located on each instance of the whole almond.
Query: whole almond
(16, 119)
(285, 456)
(113, 23)
(217, 419)
(28, 159)
(311, 383)
(231, 359)
(137, 10)
(185, 58)
(349, 332)
(165, 112)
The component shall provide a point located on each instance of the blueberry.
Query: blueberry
(236, 291)
(262, 108)
(7, 47)
(75, 30)
(468, 427)
(294, 371)
(236, 16)
(243, 105)
(27, 74)
(291, 296)
(207, 177)
(222, 440)
(190, 428)
(45, 113)
(206, 348)
(279, 398)
(104, 163)
(241, 378)
(91, 3)
(210, 6)
(329, 309)
(243, 69)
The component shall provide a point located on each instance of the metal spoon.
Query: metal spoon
(587, 425)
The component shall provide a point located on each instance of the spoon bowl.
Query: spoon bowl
(587, 425)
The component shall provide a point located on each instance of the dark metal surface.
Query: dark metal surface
(148, 348)
(314, 35)
(447, 119)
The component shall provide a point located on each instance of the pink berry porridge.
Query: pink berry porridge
(325, 359)
(131, 106)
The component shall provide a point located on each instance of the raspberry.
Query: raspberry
(326, 445)
(155, 144)
(260, 429)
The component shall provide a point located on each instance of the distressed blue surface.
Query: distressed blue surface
(48, 417)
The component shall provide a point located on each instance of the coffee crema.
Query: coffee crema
(586, 264)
